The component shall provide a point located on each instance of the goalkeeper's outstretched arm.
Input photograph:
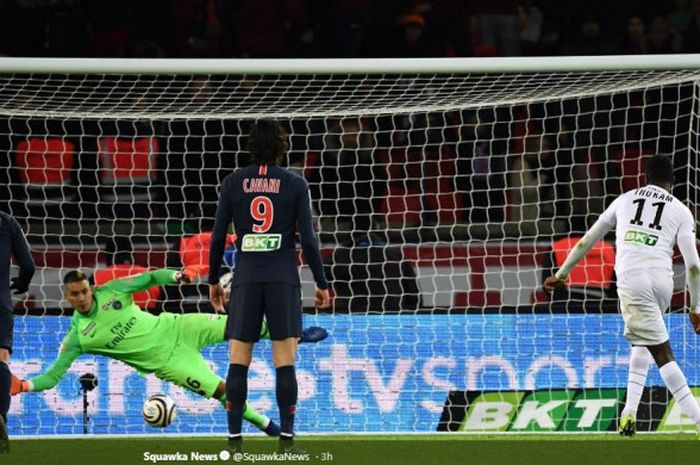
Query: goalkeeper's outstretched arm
(70, 350)
(143, 281)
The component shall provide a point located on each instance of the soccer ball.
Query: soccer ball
(159, 411)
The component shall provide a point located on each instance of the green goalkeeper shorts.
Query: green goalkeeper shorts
(186, 367)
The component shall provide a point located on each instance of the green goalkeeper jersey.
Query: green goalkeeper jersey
(117, 328)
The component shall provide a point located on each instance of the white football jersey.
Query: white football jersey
(648, 221)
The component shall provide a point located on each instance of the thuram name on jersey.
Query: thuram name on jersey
(653, 194)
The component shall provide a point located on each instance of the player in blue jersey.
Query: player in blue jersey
(266, 204)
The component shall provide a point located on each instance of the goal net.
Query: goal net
(444, 191)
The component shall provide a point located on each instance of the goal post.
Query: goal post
(439, 187)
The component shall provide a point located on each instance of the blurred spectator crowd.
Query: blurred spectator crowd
(345, 28)
(560, 162)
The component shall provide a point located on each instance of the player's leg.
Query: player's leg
(663, 355)
(192, 372)
(240, 356)
(283, 312)
(5, 382)
(242, 330)
(286, 388)
(675, 381)
(640, 358)
(204, 330)
(195, 375)
(200, 330)
(6, 328)
(643, 298)
(187, 367)
(262, 422)
(640, 304)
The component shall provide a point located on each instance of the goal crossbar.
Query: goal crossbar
(351, 66)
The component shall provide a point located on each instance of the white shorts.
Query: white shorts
(644, 297)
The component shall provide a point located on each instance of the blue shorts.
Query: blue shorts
(279, 303)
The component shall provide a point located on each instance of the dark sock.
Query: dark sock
(287, 399)
(236, 394)
(5, 381)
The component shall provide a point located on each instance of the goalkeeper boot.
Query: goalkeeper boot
(313, 334)
(4, 438)
(628, 426)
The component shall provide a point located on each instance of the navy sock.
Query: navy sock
(287, 399)
(5, 381)
(236, 394)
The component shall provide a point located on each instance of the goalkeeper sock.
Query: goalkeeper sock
(287, 399)
(250, 415)
(640, 358)
(236, 392)
(5, 382)
(677, 384)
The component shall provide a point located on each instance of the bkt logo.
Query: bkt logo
(261, 242)
(545, 410)
(533, 412)
(641, 238)
(558, 410)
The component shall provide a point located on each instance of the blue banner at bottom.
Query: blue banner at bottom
(373, 373)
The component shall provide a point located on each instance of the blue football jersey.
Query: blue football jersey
(267, 205)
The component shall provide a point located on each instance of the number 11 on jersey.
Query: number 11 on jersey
(637, 220)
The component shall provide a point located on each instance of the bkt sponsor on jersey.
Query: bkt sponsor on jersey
(261, 242)
(639, 237)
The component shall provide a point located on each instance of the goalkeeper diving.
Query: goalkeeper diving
(107, 322)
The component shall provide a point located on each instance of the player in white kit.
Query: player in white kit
(649, 221)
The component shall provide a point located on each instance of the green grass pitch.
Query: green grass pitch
(437, 449)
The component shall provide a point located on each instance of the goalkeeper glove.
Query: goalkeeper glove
(313, 334)
(19, 285)
(18, 386)
(187, 274)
